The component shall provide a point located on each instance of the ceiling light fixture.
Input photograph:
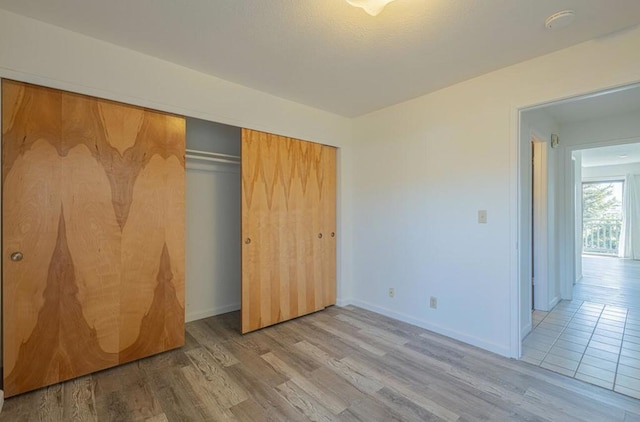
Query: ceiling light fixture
(372, 7)
(560, 19)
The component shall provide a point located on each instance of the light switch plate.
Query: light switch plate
(482, 216)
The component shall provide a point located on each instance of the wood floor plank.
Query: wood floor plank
(252, 367)
(307, 405)
(409, 410)
(328, 380)
(336, 347)
(213, 379)
(374, 332)
(79, 400)
(47, 406)
(630, 416)
(222, 355)
(523, 374)
(326, 397)
(179, 402)
(264, 399)
(401, 388)
(358, 380)
(158, 418)
(162, 361)
(371, 409)
(342, 364)
(114, 405)
(583, 410)
(351, 337)
(136, 389)
(251, 410)
(214, 403)
(201, 333)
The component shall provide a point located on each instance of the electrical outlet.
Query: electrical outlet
(392, 292)
(433, 302)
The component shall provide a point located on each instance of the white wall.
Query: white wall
(424, 169)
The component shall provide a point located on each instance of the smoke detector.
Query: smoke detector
(560, 19)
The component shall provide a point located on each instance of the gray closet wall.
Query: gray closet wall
(213, 266)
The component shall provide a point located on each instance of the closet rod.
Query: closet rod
(212, 156)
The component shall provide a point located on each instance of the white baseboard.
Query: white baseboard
(554, 302)
(463, 337)
(206, 313)
(526, 330)
(343, 302)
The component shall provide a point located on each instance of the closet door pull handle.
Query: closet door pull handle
(247, 240)
(16, 256)
(319, 235)
(333, 234)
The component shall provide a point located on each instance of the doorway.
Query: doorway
(592, 331)
(609, 262)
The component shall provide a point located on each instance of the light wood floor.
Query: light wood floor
(610, 281)
(343, 364)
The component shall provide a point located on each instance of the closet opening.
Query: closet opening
(213, 257)
(260, 232)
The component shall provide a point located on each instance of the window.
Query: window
(601, 216)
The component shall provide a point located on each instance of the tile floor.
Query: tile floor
(596, 343)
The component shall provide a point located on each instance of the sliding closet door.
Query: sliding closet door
(93, 234)
(328, 206)
(282, 229)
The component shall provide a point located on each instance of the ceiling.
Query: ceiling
(610, 156)
(330, 55)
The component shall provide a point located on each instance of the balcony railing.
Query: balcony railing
(601, 236)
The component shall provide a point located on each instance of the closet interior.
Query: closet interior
(213, 266)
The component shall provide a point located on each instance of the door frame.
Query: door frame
(540, 226)
(520, 194)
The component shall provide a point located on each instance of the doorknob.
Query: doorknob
(247, 240)
(16, 256)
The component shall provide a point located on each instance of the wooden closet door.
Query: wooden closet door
(281, 221)
(93, 234)
(328, 206)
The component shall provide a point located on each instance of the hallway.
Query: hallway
(596, 336)
(609, 280)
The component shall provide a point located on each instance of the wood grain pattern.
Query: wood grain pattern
(329, 227)
(285, 183)
(93, 196)
(298, 371)
(75, 352)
